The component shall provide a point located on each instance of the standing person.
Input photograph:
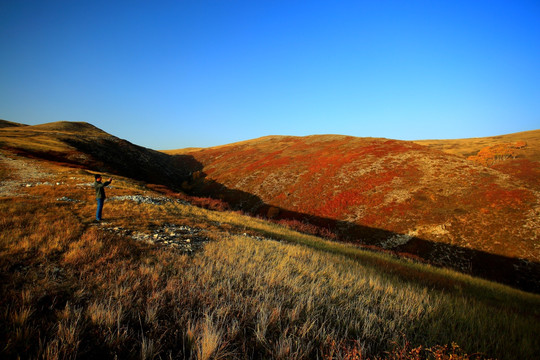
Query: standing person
(100, 194)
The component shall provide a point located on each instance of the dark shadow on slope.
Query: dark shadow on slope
(518, 273)
(121, 157)
(92, 149)
(116, 156)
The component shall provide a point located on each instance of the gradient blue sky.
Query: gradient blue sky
(174, 74)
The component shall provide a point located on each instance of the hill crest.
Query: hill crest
(68, 127)
(471, 146)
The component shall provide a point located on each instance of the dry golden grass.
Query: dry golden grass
(44, 138)
(71, 289)
(468, 147)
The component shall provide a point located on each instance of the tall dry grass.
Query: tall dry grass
(70, 290)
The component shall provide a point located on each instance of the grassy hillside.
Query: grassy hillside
(5, 123)
(471, 146)
(83, 145)
(393, 194)
(161, 278)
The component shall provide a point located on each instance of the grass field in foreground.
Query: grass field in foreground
(73, 290)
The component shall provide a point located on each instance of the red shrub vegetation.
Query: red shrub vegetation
(524, 169)
(497, 196)
(353, 351)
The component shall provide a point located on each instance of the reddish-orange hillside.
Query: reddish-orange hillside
(395, 194)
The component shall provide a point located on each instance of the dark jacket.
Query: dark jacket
(100, 189)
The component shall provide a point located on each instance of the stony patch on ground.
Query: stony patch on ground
(184, 238)
(141, 199)
(20, 172)
(181, 238)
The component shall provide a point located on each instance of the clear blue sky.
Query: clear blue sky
(174, 74)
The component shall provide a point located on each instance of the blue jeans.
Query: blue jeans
(99, 208)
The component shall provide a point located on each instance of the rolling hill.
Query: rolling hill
(471, 146)
(401, 196)
(84, 145)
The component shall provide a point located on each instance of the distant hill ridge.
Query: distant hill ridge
(5, 123)
(471, 146)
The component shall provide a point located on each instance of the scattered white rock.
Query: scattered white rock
(396, 240)
(86, 184)
(140, 199)
(37, 184)
(65, 198)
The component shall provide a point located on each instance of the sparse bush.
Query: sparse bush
(209, 203)
(307, 228)
(272, 212)
(209, 341)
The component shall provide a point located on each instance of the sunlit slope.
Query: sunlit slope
(471, 146)
(419, 195)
